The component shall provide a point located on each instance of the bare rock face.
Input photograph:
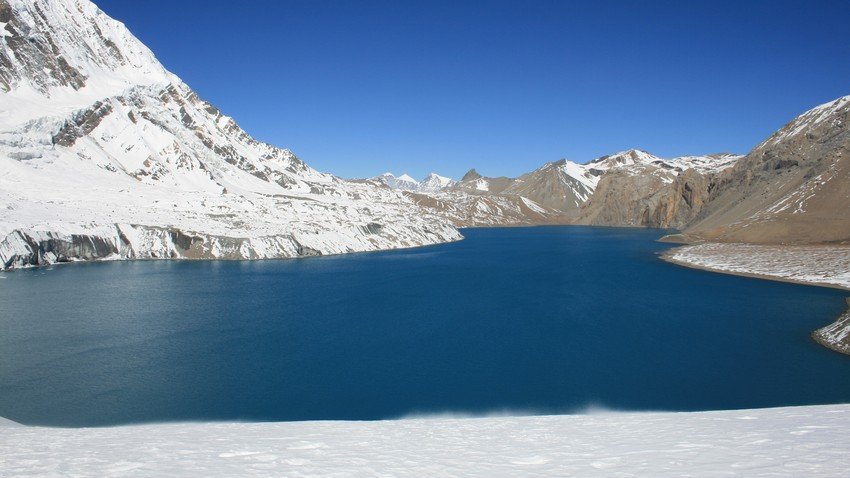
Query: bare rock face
(470, 175)
(625, 197)
(648, 196)
(638, 189)
(794, 188)
(682, 200)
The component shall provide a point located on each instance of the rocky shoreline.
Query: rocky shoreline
(836, 335)
(25, 249)
(823, 265)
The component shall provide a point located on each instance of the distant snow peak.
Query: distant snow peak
(432, 183)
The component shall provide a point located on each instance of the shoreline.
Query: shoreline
(118, 258)
(833, 336)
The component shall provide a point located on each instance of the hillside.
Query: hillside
(793, 188)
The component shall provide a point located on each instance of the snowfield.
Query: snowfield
(794, 442)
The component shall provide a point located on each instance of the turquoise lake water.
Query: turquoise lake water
(521, 320)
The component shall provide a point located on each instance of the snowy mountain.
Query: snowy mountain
(403, 182)
(622, 159)
(105, 154)
(434, 182)
(431, 184)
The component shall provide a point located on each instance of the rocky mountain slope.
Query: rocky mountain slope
(474, 201)
(632, 188)
(551, 194)
(105, 154)
(794, 188)
(481, 210)
(648, 191)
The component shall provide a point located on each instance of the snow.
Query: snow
(635, 157)
(824, 265)
(533, 205)
(703, 164)
(580, 173)
(796, 200)
(623, 158)
(797, 441)
(482, 184)
(434, 183)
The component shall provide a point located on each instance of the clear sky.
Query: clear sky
(361, 87)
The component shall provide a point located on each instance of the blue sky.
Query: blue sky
(359, 88)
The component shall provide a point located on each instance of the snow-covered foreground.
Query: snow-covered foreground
(797, 441)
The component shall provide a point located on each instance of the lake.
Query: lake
(515, 320)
